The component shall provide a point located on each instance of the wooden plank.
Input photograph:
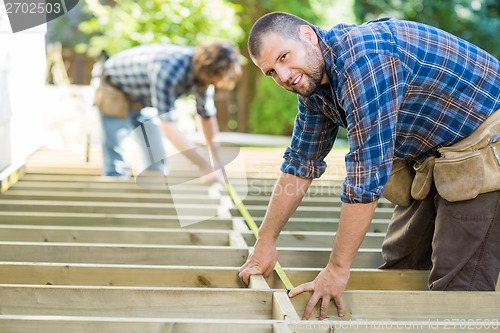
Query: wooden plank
(312, 239)
(114, 235)
(78, 324)
(90, 207)
(412, 305)
(258, 282)
(109, 220)
(168, 254)
(284, 309)
(383, 326)
(290, 257)
(119, 275)
(308, 211)
(106, 187)
(362, 279)
(123, 254)
(324, 224)
(110, 197)
(136, 302)
(319, 196)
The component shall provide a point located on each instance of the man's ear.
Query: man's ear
(307, 33)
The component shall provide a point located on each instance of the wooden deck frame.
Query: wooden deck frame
(167, 286)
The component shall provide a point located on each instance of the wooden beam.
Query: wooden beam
(401, 326)
(109, 220)
(102, 187)
(90, 207)
(81, 324)
(313, 239)
(52, 273)
(308, 211)
(283, 309)
(136, 302)
(168, 254)
(290, 257)
(324, 224)
(362, 279)
(129, 196)
(123, 254)
(114, 235)
(412, 306)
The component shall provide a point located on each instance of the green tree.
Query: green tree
(477, 21)
(128, 23)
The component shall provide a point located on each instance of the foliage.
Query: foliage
(129, 23)
(273, 109)
(477, 21)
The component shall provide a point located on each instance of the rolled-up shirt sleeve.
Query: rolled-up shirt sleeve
(371, 93)
(312, 139)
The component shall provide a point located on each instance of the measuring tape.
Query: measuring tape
(255, 230)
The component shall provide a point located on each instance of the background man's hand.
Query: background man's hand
(260, 262)
(328, 285)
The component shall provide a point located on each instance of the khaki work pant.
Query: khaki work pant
(459, 242)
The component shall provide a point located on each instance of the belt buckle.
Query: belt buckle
(494, 139)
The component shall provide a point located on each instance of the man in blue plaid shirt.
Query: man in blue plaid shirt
(402, 90)
(153, 77)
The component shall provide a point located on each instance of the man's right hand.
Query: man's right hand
(260, 262)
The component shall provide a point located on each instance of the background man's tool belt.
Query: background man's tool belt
(461, 172)
(112, 102)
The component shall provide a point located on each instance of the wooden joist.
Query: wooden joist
(177, 255)
(114, 235)
(145, 302)
(105, 219)
(85, 324)
(191, 276)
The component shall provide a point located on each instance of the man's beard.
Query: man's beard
(313, 72)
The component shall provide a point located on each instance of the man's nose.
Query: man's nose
(283, 73)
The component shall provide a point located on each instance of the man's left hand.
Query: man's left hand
(328, 285)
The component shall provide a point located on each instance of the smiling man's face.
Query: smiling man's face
(296, 65)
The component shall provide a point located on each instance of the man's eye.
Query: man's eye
(283, 57)
(270, 72)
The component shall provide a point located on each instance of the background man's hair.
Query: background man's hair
(216, 60)
(284, 24)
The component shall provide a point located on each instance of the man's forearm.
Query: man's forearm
(354, 222)
(287, 195)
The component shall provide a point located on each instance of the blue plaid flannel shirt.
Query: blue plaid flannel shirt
(156, 75)
(405, 89)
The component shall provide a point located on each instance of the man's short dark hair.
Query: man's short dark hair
(284, 24)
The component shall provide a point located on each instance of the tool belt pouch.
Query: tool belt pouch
(398, 188)
(111, 101)
(471, 166)
(421, 185)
